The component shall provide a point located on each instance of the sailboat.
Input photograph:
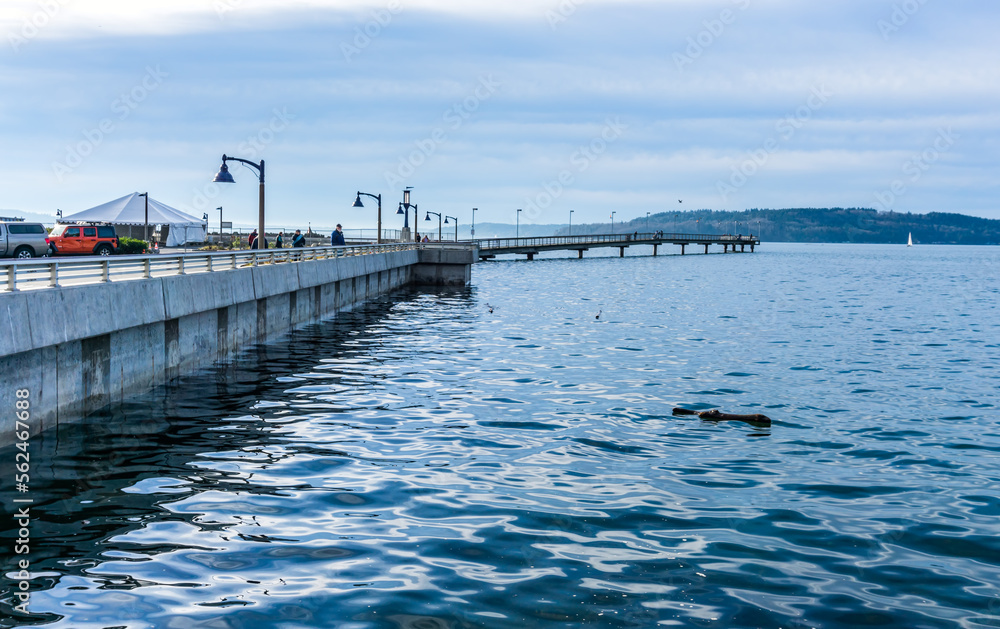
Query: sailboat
(909, 240)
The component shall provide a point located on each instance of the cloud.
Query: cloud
(358, 115)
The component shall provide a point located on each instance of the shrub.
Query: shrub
(131, 246)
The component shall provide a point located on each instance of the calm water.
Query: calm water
(422, 463)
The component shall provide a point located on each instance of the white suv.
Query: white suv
(22, 240)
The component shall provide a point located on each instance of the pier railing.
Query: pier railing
(616, 239)
(42, 273)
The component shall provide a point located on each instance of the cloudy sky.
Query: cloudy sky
(584, 105)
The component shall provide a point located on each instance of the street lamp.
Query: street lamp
(647, 221)
(404, 209)
(517, 228)
(456, 225)
(223, 176)
(571, 222)
(428, 217)
(378, 197)
(145, 225)
(474, 210)
(220, 224)
(613, 222)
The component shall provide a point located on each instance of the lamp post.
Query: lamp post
(647, 221)
(428, 217)
(456, 225)
(404, 209)
(571, 222)
(377, 197)
(145, 224)
(517, 227)
(612, 223)
(474, 210)
(220, 224)
(223, 176)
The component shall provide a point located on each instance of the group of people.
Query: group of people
(298, 240)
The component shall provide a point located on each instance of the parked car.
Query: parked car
(22, 240)
(87, 240)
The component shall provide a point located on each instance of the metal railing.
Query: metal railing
(597, 239)
(39, 273)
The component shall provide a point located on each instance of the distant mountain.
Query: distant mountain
(31, 217)
(857, 225)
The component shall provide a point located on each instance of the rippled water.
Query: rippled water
(422, 463)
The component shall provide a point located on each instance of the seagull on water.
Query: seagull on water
(598, 314)
(490, 307)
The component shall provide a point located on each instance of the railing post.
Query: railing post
(180, 265)
(147, 269)
(209, 264)
(106, 270)
(233, 256)
(12, 277)
(54, 275)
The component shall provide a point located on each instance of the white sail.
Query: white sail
(909, 240)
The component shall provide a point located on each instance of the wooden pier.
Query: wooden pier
(490, 248)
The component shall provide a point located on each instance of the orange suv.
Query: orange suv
(87, 240)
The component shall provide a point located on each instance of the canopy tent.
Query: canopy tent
(130, 210)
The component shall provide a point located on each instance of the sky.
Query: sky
(548, 106)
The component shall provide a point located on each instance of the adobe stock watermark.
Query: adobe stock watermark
(222, 7)
(366, 34)
(915, 167)
(580, 160)
(901, 14)
(453, 118)
(252, 148)
(563, 12)
(33, 24)
(714, 29)
(123, 106)
(784, 130)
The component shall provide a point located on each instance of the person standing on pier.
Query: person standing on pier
(278, 242)
(337, 237)
(298, 240)
(253, 239)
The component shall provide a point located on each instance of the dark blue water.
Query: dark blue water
(422, 463)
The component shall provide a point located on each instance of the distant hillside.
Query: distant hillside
(858, 225)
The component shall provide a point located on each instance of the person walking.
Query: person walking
(278, 242)
(298, 240)
(337, 237)
(253, 239)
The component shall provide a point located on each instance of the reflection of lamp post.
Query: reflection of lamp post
(145, 225)
(357, 203)
(428, 217)
(517, 228)
(571, 222)
(474, 210)
(404, 209)
(223, 176)
(456, 225)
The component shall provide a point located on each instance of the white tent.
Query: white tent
(131, 210)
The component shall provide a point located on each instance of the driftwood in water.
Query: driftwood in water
(717, 415)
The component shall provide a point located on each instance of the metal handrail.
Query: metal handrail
(590, 239)
(31, 274)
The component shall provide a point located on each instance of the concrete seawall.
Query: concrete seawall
(77, 349)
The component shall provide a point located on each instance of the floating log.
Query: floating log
(717, 415)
